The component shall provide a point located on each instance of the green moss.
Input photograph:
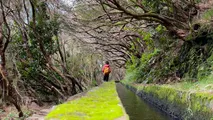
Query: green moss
(183, 98)
(99, 104)
(191, 103)
(161, 92)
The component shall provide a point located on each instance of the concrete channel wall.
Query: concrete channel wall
(181, 105)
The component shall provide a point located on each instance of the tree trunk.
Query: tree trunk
(9, 92)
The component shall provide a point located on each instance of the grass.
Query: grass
(208, 15)
(99, 104)
(204, 85)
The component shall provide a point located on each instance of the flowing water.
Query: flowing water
(137, 108)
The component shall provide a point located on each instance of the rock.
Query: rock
(34, 105)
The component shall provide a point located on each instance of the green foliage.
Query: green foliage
(205, 69)
(208, 15)
(139, 70)
(160, 29)
(98, 103)
(154, 5)
(189, 56)
(192, 61)
(147, 37)
(32, 53)
(85, 66)
(197, 1)
(147, 56)
(195, 58)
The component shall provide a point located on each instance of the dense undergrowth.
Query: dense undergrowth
(189, 60)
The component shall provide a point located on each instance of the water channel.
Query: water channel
(137, 108)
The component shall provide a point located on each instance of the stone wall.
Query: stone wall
(181, 105)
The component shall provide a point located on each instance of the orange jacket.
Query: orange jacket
(105, 66)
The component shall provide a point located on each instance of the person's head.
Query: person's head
(107, 62)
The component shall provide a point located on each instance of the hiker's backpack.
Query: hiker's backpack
(106, 70)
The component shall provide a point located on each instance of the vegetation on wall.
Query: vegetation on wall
(191, 61)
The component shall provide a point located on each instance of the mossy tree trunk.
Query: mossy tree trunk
(8, 90)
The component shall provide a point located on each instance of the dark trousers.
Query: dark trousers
(106, 77)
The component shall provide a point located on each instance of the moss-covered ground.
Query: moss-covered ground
(101, 103)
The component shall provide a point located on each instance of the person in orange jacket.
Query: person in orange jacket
(106, 71)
